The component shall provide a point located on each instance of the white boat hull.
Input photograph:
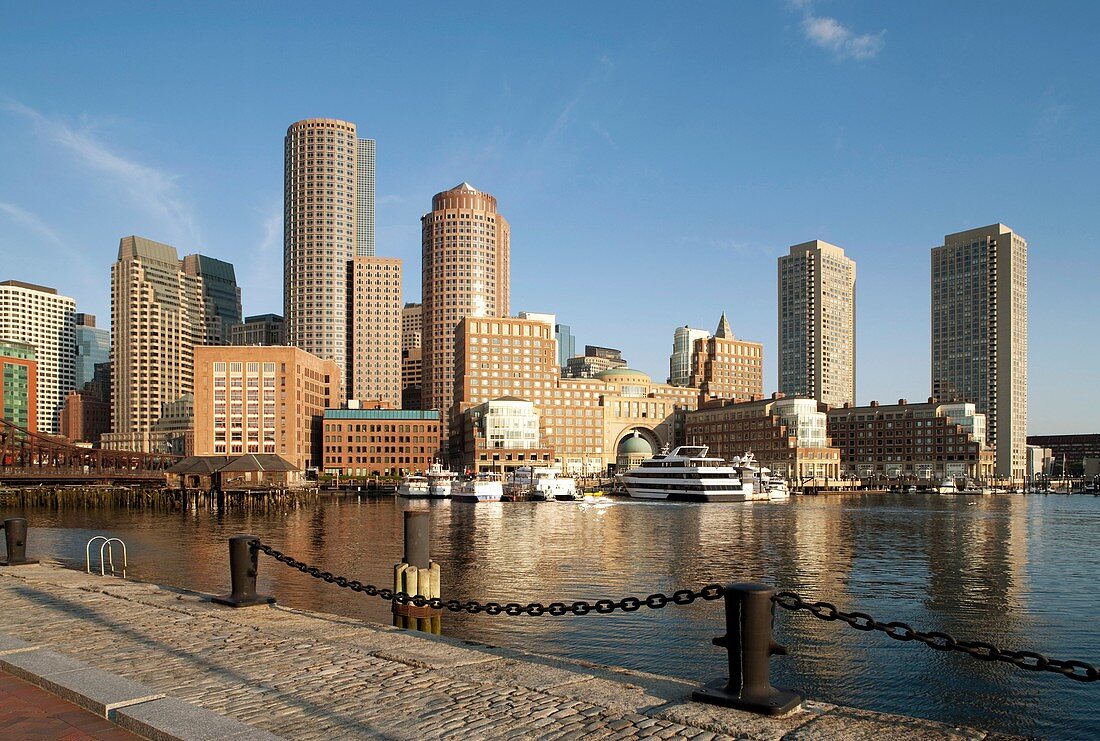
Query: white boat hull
(652, 490)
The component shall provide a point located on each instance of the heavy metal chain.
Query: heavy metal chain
(581, 607)
(1030, 660)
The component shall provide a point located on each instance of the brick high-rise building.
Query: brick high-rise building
(412, 325)
(979, 334)
(817, 323)
(724, 367)
(328, 218)
(374, 306)
(40, 317)
(263, 329)
(465, 262)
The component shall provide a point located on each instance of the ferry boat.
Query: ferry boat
(440, 481)
(413, 486)
(687, 474)
(485, 487)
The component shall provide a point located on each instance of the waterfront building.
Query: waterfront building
(567, 343)
(683, 351)
(158, 314)
(465, 262)
(93, 346)
(263, 329)
(910, 442)
(42, 318)
(1040, 462)
(220, 294)
(328, 219)
(582, 420)
(595, 360)
(412, 324)
(1068, 451)
(19, 384)
(979, 334)
(374, 308)
(84, 418)
(724, 367)
(380, 442)
(785, 434)
(817, 323)
(502, 435)
(263, 400)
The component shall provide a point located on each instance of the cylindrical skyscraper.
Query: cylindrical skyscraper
(465, 273)
(323, 212)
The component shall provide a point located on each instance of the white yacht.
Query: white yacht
(764, 487)
(687, 474)
(440, 481)
(551, 487)
(413, 486)
(485, 487)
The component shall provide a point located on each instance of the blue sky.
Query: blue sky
(653, 160)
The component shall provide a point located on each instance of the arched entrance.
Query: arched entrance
(635, 445)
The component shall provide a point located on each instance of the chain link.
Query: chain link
(1030, 660)
(557, 609)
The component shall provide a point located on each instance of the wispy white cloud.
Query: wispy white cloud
(29, 221)
(836, 38)
(154, 191)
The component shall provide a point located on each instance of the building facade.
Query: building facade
(93, 346)
(84, 418)
(263, 400)
(42, 318)
(465, 261)
(787, 435)
(724, 367)
(380, 442)
(905, 442)
(325, 168)
(979, 334)
(412, 371)
(502, 435)
(595, 360)
(19, 384)
(221, 295)
(263, 329)
(582, 420)
(817, 323)
(1068, 452)
(158, 313)
(412, 324)
(683, 351)
(374, 339)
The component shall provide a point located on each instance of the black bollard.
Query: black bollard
(15, 535)
(417, 539)
(749, 641)
(243, 566)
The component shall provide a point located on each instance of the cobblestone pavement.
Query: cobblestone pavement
(306, 675)
(30, 713)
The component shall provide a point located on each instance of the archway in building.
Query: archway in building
(635, 445)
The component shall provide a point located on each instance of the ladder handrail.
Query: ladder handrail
(110, 555)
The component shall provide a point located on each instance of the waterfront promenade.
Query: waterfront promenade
(299, 674)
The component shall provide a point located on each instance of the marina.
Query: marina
(1018, 570)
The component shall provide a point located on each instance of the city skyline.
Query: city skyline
(602, 183)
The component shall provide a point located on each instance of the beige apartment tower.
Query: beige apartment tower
(374, 306)
(817, 323)
(979, 334)
(158, 316)
(328, 204)
(465, 254)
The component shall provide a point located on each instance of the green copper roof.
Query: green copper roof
(609, 375)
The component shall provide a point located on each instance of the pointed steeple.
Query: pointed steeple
(724, 328)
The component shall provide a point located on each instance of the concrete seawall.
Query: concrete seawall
(280, 671)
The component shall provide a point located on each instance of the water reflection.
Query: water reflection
(1016, 571)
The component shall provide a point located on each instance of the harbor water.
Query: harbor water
(1017, 571)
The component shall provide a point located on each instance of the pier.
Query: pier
(299, 674)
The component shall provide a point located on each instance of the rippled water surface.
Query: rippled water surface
(1020, 572)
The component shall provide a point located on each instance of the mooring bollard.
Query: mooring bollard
(15, 536)
(243, 566)
(416, 574)
(749, 641)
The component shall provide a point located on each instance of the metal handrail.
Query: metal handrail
(110, 555)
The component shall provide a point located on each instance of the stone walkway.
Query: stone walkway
(305, 675)
(30, 713)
